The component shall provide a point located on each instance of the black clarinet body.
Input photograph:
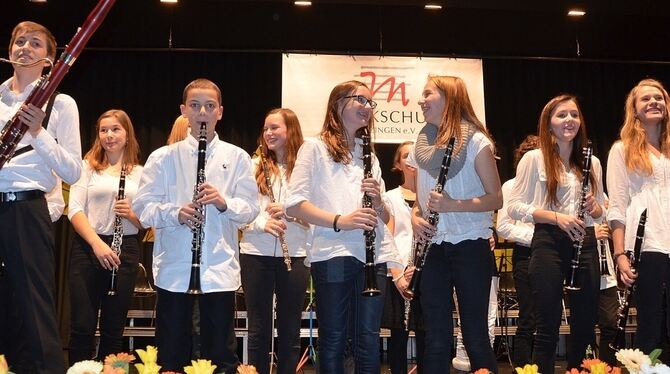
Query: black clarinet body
(634, 257)
(198, 229)
(421, 247)
(268, 182)
(117, 237)
(371, 288)
(577, 245)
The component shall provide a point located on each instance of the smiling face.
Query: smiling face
(354, 114)
(650, 105)
(274, 132)
(202, 105)
(432, 103)
(565, 121)
(112, 135)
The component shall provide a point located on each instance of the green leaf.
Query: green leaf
(653, 356)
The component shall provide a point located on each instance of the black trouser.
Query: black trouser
(89, 284)
(467, 267)
(397, 350)
(653, 301)
(174, 312)
(525, 329)
(261, 277)
(27, 248)
(608, 306)
(551, 252)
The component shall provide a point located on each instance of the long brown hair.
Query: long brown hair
(553, 165)
(294, 140)
(396, 159)
(96, 156)
(332, 132)
(634, 136)
(457, 108)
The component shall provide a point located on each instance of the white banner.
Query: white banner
(396, 84)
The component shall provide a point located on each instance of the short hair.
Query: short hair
(29, 26)
(202, 83)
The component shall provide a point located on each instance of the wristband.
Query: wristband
(398, 277)
(337, 216)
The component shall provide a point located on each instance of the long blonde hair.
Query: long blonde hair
(332, 132)
(96, 156)
(634, 136)
(180, 129)
(457, 108)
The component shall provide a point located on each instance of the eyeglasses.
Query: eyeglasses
(362, 100)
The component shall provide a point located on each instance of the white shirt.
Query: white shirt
(95, 193)
(34, 170)
(55, 201)
(167, 185)
(454, 227)
(257, 242)
(631, 192)
(509, 229)
(402, 215)
(336, 187)
(530, 189)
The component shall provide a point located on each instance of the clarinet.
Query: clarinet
(421, 248)
(622, 314)
(578, 244)
(408, 303)
(268, 183)
(15, 129)
(117, 238)
(198, 229)
(603, 245)
(371, 288)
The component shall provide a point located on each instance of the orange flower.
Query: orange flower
(588, 363)
(482, 371)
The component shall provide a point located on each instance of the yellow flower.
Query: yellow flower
(4, 367)
(599, 368)
(527, 369)
(148, 356)
(147, 368)
(200, 367)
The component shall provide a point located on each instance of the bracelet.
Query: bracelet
(617, 255)
(380, 208)
(337, 216)
(398, 277)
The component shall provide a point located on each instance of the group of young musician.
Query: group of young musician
(320, 207)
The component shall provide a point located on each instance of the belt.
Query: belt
(9, 197)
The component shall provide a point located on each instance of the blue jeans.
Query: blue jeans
(467, 267)
(339, 283)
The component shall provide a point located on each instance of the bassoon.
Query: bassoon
(421, 247)
(15, 129)
(634, 257)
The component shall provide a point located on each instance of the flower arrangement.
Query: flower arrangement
(636, 362)
(86, 367)
(4, 367)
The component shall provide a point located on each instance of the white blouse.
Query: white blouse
(95, 193)
(402, 214)
(631, 192)
(513, 230)
(455, 227)
(530, 189)
(256, 241)
(336, 187)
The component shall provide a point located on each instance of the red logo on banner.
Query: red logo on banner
(393, 89)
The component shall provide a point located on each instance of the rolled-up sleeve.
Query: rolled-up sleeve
(520, 202)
